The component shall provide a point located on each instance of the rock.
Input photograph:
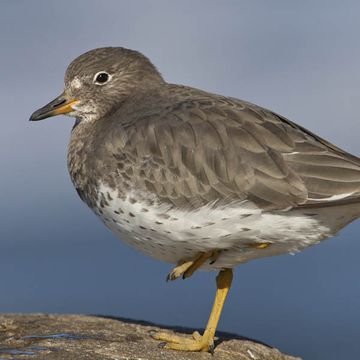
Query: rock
(77, 337)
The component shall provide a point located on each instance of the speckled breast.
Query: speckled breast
(174, 235)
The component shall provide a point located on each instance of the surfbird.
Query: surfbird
(196, 179)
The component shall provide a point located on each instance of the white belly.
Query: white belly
(174, 235)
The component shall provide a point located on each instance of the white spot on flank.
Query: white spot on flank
(333, 197)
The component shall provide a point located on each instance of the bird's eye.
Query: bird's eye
(101, 78)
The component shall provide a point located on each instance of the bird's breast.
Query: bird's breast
(242, 231)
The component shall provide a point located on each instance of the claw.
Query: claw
(186, 268)
(162, 345)
(179, 270)
(174, 342)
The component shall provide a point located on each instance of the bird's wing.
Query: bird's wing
(208, 149)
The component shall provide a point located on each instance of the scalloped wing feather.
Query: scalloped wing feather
(197, 148)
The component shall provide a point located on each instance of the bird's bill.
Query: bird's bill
(61, 105)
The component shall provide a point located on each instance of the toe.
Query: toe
(175, 342)
(169, 338)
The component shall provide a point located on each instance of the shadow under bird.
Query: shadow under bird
(196, 179)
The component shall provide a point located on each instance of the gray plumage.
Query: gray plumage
(192, 148)
(177, 148)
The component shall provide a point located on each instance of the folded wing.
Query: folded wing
(204, 149)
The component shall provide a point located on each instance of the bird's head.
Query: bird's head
(97, 82)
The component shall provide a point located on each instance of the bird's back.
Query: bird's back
(192, 148)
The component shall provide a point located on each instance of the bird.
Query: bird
(196, 179)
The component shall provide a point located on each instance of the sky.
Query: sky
(300, 59)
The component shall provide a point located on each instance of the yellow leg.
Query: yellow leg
(187, 268)
(206, 341)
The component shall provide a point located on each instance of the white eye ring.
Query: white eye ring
(101, 78)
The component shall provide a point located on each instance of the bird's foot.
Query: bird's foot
(206, 341)
(187, 268)
(198, 342)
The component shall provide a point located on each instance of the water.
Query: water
(305, 304)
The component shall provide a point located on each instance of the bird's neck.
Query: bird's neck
(79, 157)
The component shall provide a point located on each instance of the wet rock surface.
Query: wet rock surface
(53, 337)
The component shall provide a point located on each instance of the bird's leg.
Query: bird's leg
(187, 268)
(203, 342)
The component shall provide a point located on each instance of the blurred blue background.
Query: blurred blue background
(300, 59)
